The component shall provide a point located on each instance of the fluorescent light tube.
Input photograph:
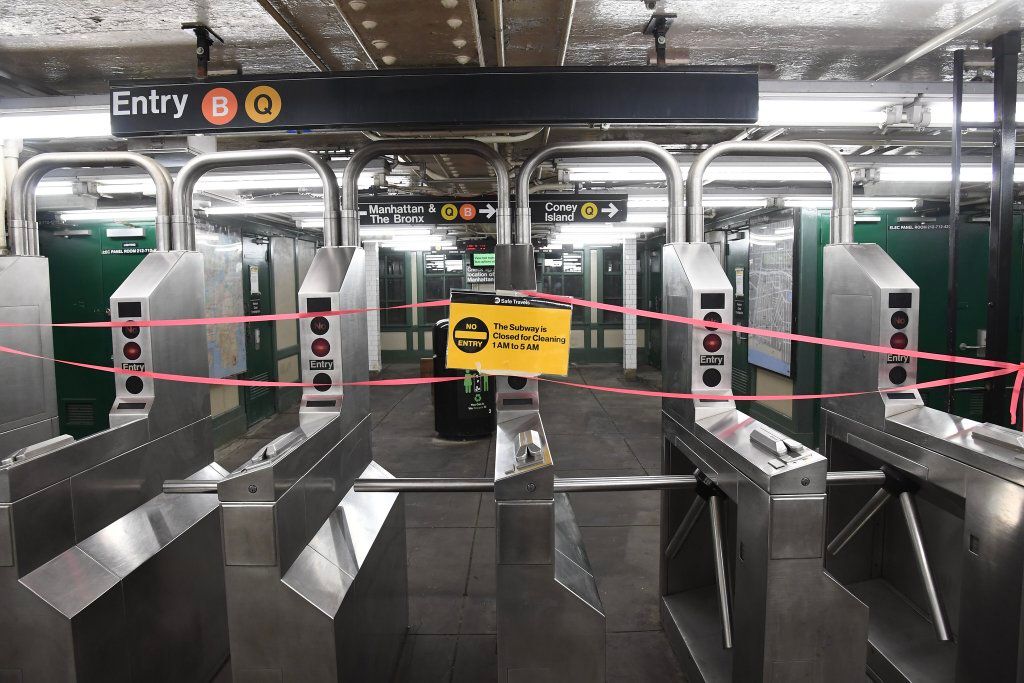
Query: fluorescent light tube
(134, 213)
(49, 125)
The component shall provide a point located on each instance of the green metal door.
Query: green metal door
(87, 262)
(259, 337)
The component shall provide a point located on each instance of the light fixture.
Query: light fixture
(56, 124)
(941, 173)
(357, 5)
(252, 208)
(454, 22)
(612, 229)
(369, 24)
(449, 4)
(858, 202)
(379, 44)
(141, 213)
(459, 43)
(462, 59)
(389, 59)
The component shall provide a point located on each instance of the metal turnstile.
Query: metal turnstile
(937, 553)
(102, 575)
(315, 573)
(745, 596)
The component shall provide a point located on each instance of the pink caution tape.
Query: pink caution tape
(1001, 367)
(194, 379)
(269, 317)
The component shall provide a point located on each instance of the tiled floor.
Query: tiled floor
(451, 536)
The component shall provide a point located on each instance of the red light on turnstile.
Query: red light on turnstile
(712, 343)
(319, 325)
(320, 347)
(898, 341)
(130, 331)
(712, 317)
(132, 351)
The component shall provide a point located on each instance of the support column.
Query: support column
(1005, 51)
(629, 300)
(372, 250)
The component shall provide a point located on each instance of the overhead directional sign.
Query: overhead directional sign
(578, 208)
(422, 210)
(445, 98)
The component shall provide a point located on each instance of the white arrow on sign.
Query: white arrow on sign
(489, 211)
(611, 210)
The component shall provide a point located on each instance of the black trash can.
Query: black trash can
(462, 410)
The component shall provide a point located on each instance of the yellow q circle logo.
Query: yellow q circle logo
(263, 104)
(588, 210)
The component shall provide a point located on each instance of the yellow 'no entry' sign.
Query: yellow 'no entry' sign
(499, 333)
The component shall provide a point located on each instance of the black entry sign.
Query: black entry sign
(422, 210)
(411, 99)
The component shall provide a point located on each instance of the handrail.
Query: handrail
(22, 210)
(183, 220)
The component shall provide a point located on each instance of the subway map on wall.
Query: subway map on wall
(221, 248)
(770, 298)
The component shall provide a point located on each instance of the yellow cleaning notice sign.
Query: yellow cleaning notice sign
(508, 333)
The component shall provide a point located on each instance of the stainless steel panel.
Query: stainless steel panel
(249, 534)
(513, 481)
(797, 527)
(6, 537)
(524, 532)
(43, 526)
(858, 278)
(31, 396)
(688, 271)
(91, 580)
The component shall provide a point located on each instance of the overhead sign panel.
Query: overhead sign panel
(421, 210)
(402, 99)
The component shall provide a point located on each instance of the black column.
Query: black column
(1005, 51)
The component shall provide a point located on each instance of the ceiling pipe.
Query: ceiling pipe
(294, 35)
(184, 221)
(648, 150)
(499, 31)
(943, 38)
(476, 34)
(841, 225)
(24, 230)
(362, 157)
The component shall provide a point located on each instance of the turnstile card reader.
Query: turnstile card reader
(745, 598)
(942, 567)
(103, 576)
(316, 573)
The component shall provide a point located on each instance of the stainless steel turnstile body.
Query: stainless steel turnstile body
(747, 599)
(316, 573)
(959, 574)
(551, 623)
(103, 576)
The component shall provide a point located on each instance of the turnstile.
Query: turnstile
(315, 573)
(746, 597)
(942, 566)
(103, 576)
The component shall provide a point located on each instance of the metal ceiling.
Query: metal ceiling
(75, 47)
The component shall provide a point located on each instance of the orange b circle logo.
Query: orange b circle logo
(467, 211)
(220, 106)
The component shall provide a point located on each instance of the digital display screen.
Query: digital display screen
(131, 406)
(129, 309)
(900, 299)
(321, 404)
(318, 304)
(481, 260)
(712, 300)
